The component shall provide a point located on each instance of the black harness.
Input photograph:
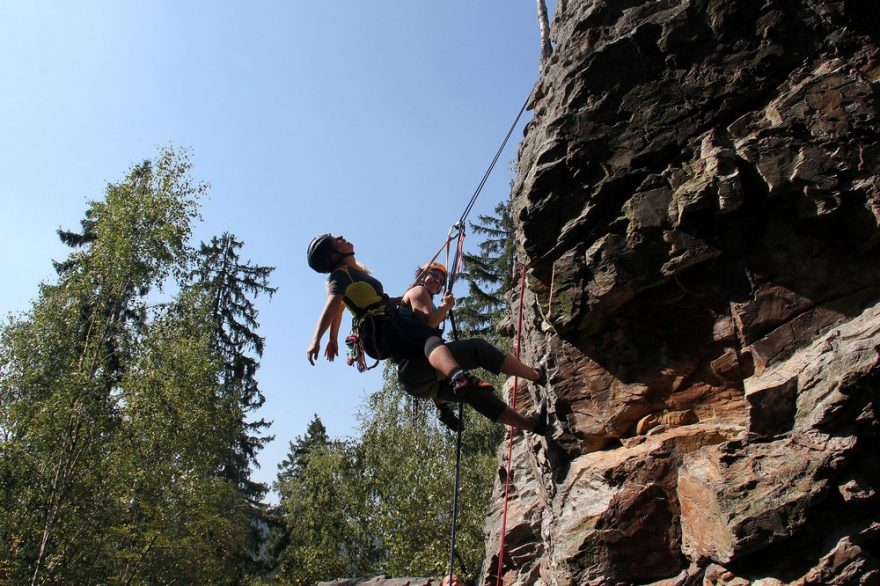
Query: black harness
(363, 337)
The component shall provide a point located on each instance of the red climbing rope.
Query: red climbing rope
(457, 231)
(522, 288)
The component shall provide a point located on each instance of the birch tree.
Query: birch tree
(111, 434)
(544, 26)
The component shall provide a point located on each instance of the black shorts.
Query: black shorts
(399, 337)
(419, 378)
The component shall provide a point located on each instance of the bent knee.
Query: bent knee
(432, 344)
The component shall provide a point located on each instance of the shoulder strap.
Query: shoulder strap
(360, 312)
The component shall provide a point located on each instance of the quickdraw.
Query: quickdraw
(355, 355)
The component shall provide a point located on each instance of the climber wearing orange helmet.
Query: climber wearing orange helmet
(420, 379)
(430, 280)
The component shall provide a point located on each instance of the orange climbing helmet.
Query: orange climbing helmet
(435, 266)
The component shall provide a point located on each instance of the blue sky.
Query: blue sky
(375, 120)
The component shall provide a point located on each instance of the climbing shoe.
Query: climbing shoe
(539, 418)
(542, 376)
(464, 381)
(447, 417)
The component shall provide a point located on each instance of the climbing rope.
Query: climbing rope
(457, 231)
(453, 269)
(458, 436)
(522, 288)
(476, 194)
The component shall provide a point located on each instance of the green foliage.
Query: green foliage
(113, 420)
(226, 288)
(229, 287)
(320, 485)
(183, 520)
(299, 450)
(408, 480)
(385, 501)
(125, 450)
(490, 274)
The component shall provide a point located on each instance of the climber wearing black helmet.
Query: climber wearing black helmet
(386, 333)
(421, 380)
(407, 333)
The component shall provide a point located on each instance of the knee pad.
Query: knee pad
(432, 344)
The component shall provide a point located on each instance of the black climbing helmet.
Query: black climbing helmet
(320, 253)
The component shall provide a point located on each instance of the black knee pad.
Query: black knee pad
(432, 344)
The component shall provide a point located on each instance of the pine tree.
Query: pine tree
(228, 287)
(490, 274)
(231, 286)
(323, 504)
(293, 466)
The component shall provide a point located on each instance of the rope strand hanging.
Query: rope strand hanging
(522, 288)
(458, 231)
(476, 194)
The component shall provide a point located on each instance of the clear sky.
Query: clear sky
(373, 119)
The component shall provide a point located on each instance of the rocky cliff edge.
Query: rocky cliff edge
(698, 205)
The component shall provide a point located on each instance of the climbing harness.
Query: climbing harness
(362, 340)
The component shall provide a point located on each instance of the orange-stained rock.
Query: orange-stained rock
(698, 204)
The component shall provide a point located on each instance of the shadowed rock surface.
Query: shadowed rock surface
(698, 203)
(383, 581)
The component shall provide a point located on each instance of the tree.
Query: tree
(490, 274)
(322, 502)
(544, 26)
(382, 503)
(112, 428)
(182, 521)
(230, 287)
(294, 465)
(409, 464)
(62, 363)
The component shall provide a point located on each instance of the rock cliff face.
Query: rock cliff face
(698, 203)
